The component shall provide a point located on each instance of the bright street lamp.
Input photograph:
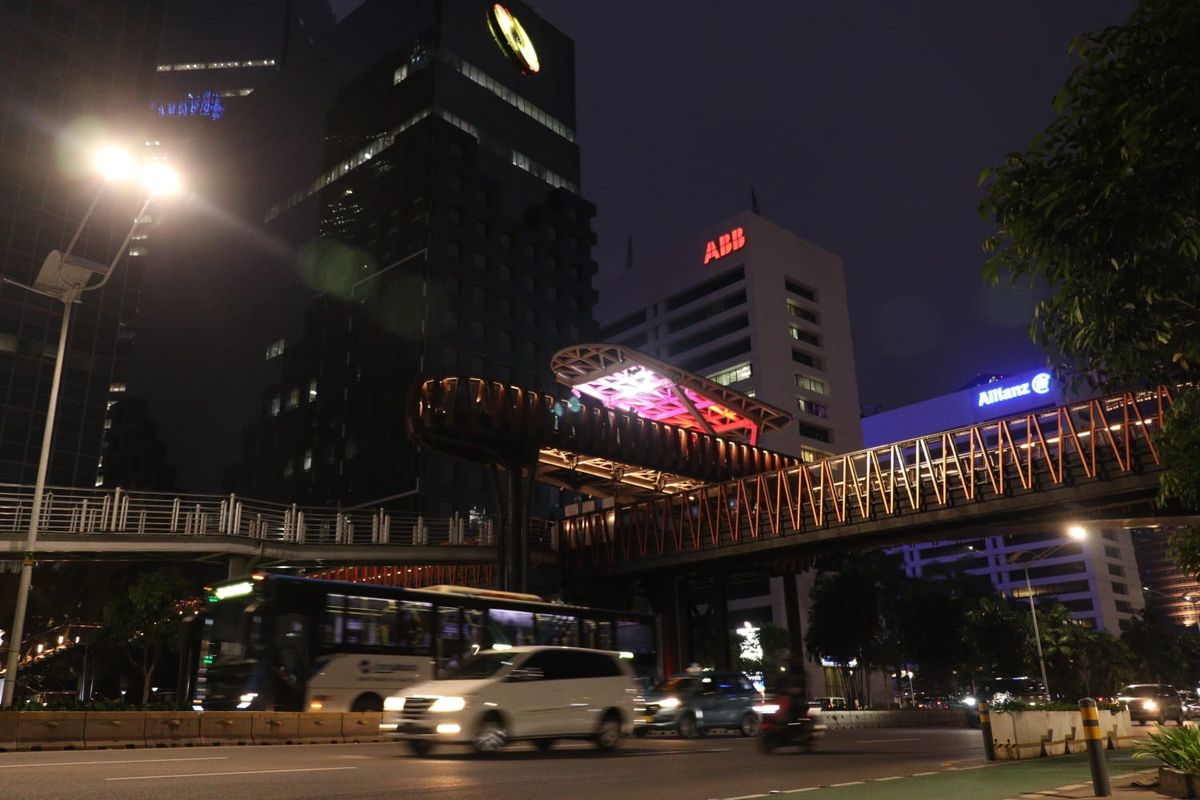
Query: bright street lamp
(1077, 533)
(65, 277)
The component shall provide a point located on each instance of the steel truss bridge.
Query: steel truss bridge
(89, 524)
(1085, 460)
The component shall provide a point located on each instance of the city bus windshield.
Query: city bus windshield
(481, 666)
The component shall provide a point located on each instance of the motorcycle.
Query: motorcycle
(790, 722)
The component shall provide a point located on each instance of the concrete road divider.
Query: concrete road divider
(8, 731)
(226, 728)
(172, 728)
(361, 726)
(275, 727)
(102, 729)
(319, 727)
(50, 730)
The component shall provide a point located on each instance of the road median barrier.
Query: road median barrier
(320, 727)
(275, 727)
(361, 726)
(234, 727)
(8, 730)
(172, 728)
(50, 730)
(105, 729)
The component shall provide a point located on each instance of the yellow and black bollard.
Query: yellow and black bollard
(985, 725)
(1095, 747)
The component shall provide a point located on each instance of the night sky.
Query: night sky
(862, 127)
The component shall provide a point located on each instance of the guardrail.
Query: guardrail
(79, 511)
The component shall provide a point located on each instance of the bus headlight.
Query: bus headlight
(446, 704)
(393, 704)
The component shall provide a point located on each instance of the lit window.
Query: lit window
(275, 349)
(276, 402)
(537, 170)
(808, 454)
(400, 74)
(308, 460)
(480, 77)
(293, 399)
(811, 385)
(732, 375)
(811, 407)
(312, 390)
(804, 336)
(116, 388)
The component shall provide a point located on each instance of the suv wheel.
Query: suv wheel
(688, 729)
(609, 734)
(749, 724)
(490, 736)
(419, 747)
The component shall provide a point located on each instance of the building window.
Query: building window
(811, 385)
(481, 229)
(506, 240)
(477, 328)
(527, 348)
(1110, 535)
(351, 448)
(708, 287)
(552, 294)
(312, 391)
(504, 306)
(1124, 607)
(450, 357)
(800, 290)
(275, 349)
(807, 359)
(293, 399)
(451, 320)
(804, 336)
(815, 432)
(308, 460)
(1116, 569)
(480, 261)
(812, 407)
(276, 403)
(454, 214)
(809, 454)
(504, 339)
(289, 469)
(1112, 552)
(479, 295)
(710, 334)
(1120, 588)
(801, 313)
(453, 249)
(738, 372)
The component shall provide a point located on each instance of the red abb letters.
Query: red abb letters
(725, 244)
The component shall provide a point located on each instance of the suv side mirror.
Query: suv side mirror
(523, 674)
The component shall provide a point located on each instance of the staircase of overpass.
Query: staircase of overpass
(1088, 460)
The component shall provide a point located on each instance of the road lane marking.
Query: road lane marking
(217, 774)
(94, 763)
(884, 741)
(847, 783)
(922, 774)
(892, 778)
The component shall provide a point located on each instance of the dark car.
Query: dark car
(694, 703)
(1152, 702)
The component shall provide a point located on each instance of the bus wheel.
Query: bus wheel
(367, 702)
(419, 747)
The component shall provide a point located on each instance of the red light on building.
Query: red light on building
(725, 244)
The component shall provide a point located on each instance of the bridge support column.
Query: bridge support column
(675, 613)
(791, 608)
(512, 545)
(239, 567)
(720, 623)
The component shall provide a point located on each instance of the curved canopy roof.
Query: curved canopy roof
(623, 378)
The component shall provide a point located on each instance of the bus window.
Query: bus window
(513, 628)
(450, 645)
(635, 636)
(412, 626)
(474, 632)
(557, 629)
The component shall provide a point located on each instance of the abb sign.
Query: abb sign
(725, 244)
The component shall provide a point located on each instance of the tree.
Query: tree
(995, 637)
(1151, 637)
(1104, 208)
(145, 623)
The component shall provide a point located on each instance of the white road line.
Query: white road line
(93, 763)
(847, 783)
(217, 774)
(884, 741)
(805, 789)
(892, 778)
(746, 797)
(922, 774)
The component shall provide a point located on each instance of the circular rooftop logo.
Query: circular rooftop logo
(1041, 383)
(513, 40)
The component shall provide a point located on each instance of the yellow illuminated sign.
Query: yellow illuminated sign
(512, 38)
(233, 590)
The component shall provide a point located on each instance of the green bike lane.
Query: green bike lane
(998, 781)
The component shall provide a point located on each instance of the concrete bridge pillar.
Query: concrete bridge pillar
(720, 623)
(239, 567)
(791, 608)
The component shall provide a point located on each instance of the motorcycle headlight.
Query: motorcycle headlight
(445, 704)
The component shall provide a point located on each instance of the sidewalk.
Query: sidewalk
(1038, 779)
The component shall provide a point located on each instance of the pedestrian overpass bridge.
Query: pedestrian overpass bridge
(1093, 460)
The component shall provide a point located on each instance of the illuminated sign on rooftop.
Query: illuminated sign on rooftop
(204, 104)
(1038, 384)
(725, 244)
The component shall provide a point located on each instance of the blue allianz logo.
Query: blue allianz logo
(1038, 384)
(205, 104)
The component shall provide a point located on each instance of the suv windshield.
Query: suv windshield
(480, 666)
(1140, 691)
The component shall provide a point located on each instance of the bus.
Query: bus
(284, 643)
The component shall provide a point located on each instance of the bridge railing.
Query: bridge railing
(1087, 441)
(83, 512)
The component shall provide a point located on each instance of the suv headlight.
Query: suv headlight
(444, 704)
(393, 704)
(1149, 705)
(669, 702)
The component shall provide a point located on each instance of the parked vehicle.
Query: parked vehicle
(788, 720)
(694, 703)
(1152, 702)
(1191, 704)
(833, 703)
(536, 694)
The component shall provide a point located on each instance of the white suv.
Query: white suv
(536, 694)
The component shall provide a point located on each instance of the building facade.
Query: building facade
(443, 234)
(70, 71)
(1096, 579)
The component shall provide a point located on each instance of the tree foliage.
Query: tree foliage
(145, 622)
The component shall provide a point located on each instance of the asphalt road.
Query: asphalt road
(663, 768)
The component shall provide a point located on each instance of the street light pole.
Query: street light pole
(1037, 636)
(65, 277)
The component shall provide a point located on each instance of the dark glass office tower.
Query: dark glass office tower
(444, 234)
(68, 68)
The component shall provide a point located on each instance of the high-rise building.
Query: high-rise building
(443, 233)
(69, 71)
(1096, 579)
(1167, 587)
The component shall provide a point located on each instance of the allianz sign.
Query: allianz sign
(1038, 384)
